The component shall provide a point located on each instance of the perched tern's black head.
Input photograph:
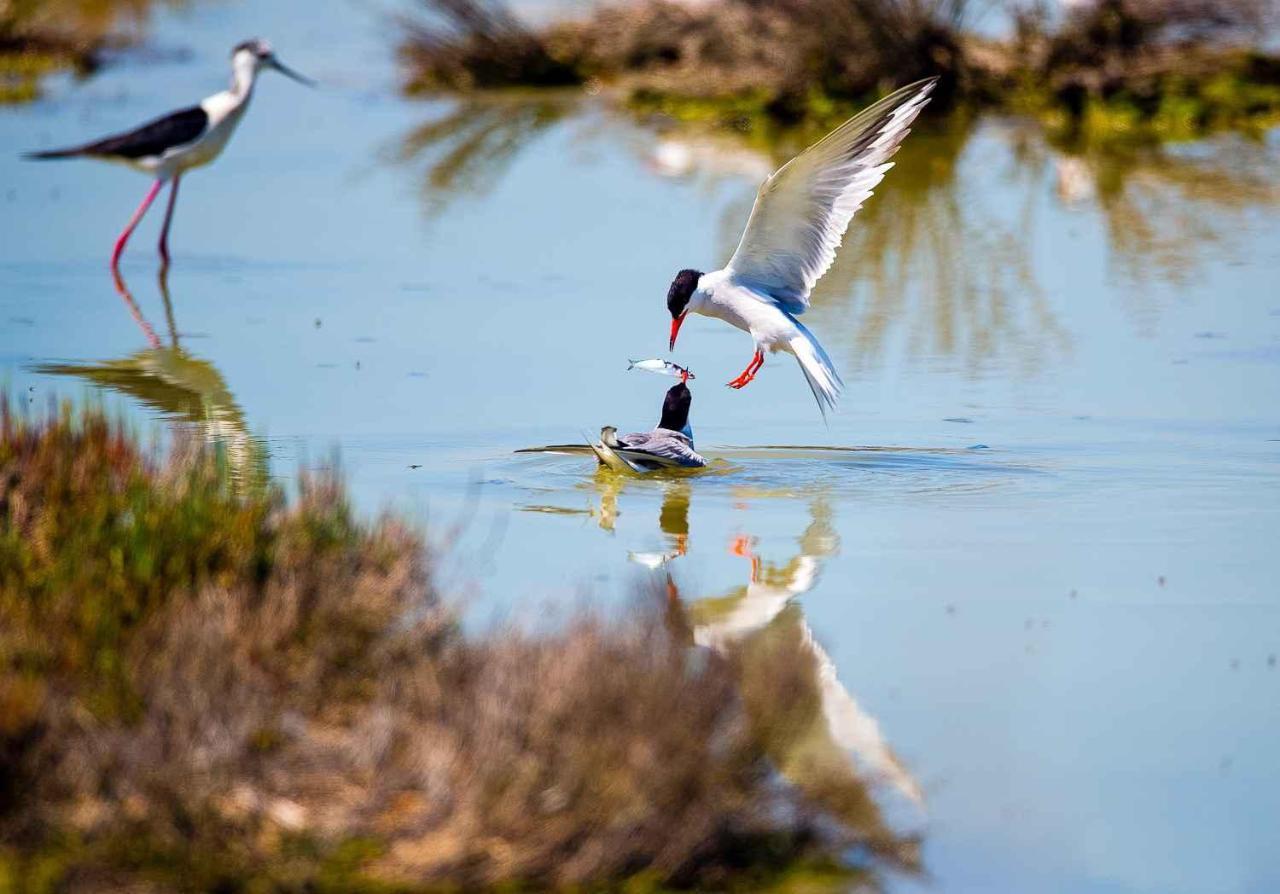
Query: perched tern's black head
(682, 288)
(675, 408)
(265, 57)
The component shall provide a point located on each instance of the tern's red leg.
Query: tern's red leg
(133, 223)
(168, 219)
(749, 373)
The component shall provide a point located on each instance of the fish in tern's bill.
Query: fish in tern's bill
(662, 368)
(169, 146)
(668, 446)
(799, 218)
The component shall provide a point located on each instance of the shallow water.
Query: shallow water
(1048, 569)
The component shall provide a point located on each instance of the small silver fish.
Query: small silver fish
(661, 367)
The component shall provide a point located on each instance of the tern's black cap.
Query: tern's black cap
(681, 289)
(675, 408)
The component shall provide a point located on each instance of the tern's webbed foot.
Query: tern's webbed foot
(749, 373)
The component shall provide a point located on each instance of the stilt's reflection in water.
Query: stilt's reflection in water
(182, 388)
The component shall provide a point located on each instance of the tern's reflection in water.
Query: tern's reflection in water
(1169, 212)
(815, 732)
(819, 735)
(181, 387)
(673, 521)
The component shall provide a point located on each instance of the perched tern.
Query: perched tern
(800, 215)
(669, 445)
(173, 144)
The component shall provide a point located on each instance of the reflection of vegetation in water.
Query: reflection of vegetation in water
(468, 147)
(1167, 212)
(184, 388)
(41, 36)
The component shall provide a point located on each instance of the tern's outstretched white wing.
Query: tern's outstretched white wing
(803, 209)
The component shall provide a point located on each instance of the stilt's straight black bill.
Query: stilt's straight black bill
(290, 73)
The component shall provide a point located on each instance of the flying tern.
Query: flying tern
(800, 215)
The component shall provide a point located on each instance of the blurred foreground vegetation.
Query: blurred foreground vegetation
(203, 688)
(1106, 68)
(39, 37)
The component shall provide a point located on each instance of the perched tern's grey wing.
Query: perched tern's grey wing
(660, 446)
(621, 459)
(803, 209)
(651, 461)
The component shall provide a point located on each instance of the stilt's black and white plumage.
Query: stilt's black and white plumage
(143, 147)
(168, 147)
(796, 225)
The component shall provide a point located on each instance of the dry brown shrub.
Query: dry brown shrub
(209, 690)
(780, 52)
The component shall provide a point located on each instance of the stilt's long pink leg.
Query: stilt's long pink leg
(133, 223)
(757, 361)
(168, 219)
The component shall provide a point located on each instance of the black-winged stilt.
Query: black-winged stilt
(171, 145)
(795, 227)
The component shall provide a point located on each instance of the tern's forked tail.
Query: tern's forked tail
(819, 371)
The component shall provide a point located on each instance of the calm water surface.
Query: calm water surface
(1047, 577)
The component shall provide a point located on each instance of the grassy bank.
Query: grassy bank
(1112, 68)
(203, 689)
